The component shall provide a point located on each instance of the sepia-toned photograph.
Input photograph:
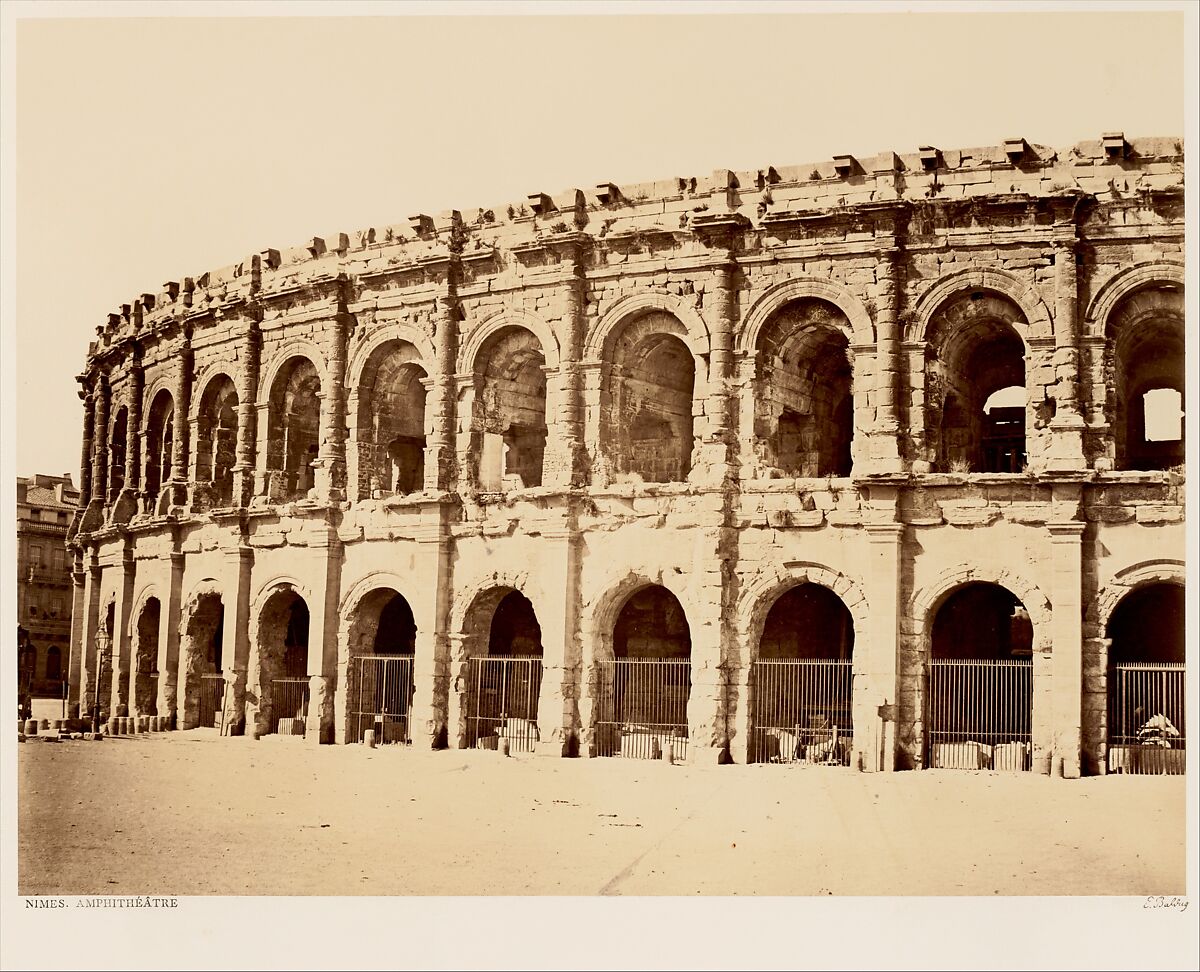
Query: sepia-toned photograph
(472, 461)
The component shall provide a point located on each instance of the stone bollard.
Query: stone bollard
(369, 738)
(31, 727)
(505, 747)
(60, 724)
(125, 729)
(44, 724)
(112, 725)
(144, 723)
(668, 754)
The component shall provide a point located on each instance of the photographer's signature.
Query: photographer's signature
(1156, 901)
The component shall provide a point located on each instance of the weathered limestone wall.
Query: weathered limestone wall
(584, 395)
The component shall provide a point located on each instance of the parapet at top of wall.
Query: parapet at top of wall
(1107, 168)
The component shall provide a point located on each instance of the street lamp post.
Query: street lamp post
(103, 647)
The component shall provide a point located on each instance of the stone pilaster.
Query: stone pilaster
(1067, 426)
(85, 456)
(243, 469)
(877, 651)
(126, 504)
(91, 627)
(884, 451)
(175, 492)
(78, 614)
(122, 634)
(571, 463)
(93, 517)
(330, 476)
(440, 458)
(558, 709)
(1066, 594)
(235, 637)
(323, 642)
(714, 451)
(168, 641)
(428, 716)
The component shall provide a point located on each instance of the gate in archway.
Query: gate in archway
(381, 692)
(1146, 730)
(980, 714)
(802, 712)
(642, 705)
(502, 695)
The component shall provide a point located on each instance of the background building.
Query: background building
(859, 461)
(44, 508)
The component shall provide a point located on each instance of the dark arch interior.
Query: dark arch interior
(146, 662)
(805, 407)
(205, 631)
(646, 403)
(808, 621)
(975, 351)
(160, 439)
(397, 631)
(652, 625)
(511, 411)
(1148, 625)
(116, 453)
(295, 642)
(981, 620)
(515, 629)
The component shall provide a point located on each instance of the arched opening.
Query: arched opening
(216, 439)
(504, 674)
(1147, 379)
(160, 441)
(1146, 675)
(117, 444)
(975, 351)
(53, 664)
(383, 636)
(979, 698)
(803, 680)
(646, 422)
(293, 436)
(145, 677)
(391, 422)
(510, 411)
(804, 402)
(282, 664)
(203, 671)
(643, 691)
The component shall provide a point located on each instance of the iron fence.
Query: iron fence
(502, 701)
(802, 712)
(381, 691)
(1146, 727)
(642, 707)
(979, 714)
(212, 700)
(289, 705)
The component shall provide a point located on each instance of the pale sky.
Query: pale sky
(150, 150)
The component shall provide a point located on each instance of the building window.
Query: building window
(53, 664)
(35, 554)
(59, 558)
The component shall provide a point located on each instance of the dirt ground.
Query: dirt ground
(192, 814)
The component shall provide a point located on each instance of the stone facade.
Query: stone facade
(44, 508)
(724, 386)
